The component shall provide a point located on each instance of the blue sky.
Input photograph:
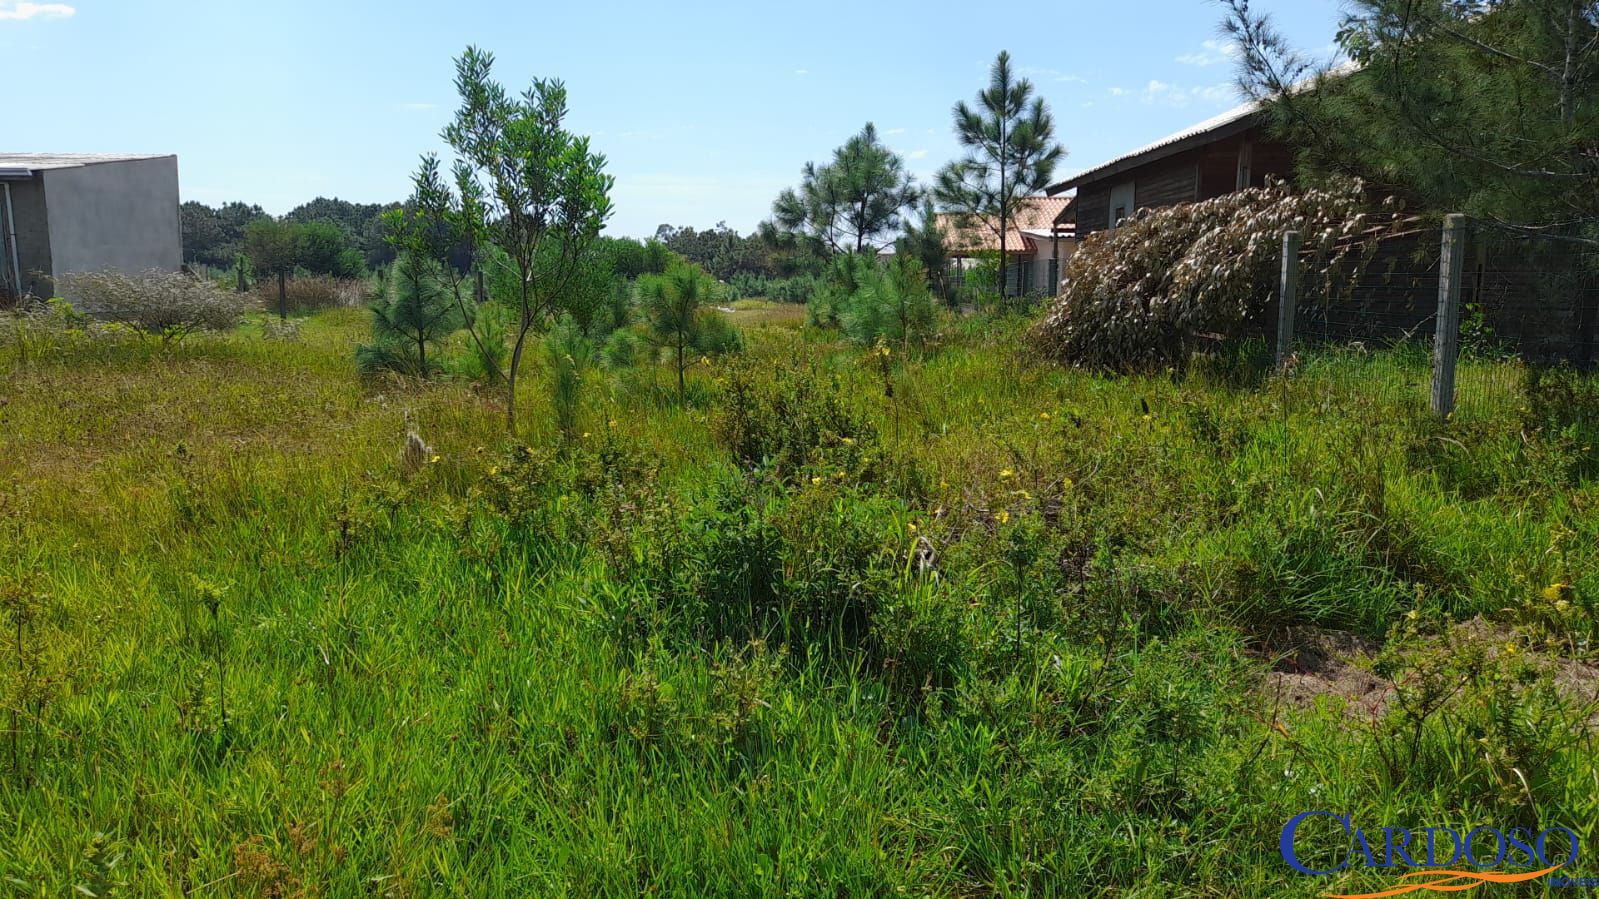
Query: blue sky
(704, 110)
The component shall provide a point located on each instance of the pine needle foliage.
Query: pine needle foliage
(852, 203)
(1011, 153)
(674, 304)
(413, 313)
(1487, 107)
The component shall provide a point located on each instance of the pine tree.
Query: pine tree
(674, 305)
(414, 311)
(850, 203)
(1012, 153)
(1487, 107)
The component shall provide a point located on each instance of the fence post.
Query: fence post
(1446, 342)
(1287, 297)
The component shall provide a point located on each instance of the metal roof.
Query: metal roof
(22, 165)
(1239, 118)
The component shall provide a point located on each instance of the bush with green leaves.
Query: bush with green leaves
(846, 273)
(169, 304)
(752, 285)
(794, 421)
(1169, 282)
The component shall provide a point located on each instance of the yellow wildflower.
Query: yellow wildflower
(434, 460)
(816, 480)
(911, 526)
(1003, 517)
(1006, 473)
(1556, 591)
(1043, 416)
(1066, 483)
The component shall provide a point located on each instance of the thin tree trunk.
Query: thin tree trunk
(680, 383)
(1004, 208)
(510, 380)
(283, 296)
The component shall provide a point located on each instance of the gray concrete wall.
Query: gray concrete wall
(114, 216)
(33, 236)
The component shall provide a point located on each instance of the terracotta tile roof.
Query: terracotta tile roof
(1034, 214)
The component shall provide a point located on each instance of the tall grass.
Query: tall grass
(1005, 629)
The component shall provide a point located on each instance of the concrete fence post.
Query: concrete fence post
(1287, 297)
(1446, 342)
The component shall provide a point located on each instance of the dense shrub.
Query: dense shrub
(1563, 403)
(1171, 281)
(792, 420)
(312, 293)
(872, 301)
(166, 303)
(745, 285)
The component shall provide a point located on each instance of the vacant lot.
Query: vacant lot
(924, 621)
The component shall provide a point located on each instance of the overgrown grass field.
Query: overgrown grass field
(929, 621)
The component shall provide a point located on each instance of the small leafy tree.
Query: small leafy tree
(1012, 153)
(522, 184)
(323, 248)
(414, 312)
(849, 204)
(271, 246)
(673, 304)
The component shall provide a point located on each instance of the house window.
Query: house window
(1246, 161)
(1121, 203)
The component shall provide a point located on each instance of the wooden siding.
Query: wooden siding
(1166, 183)
(1198, 174)
(1093, 207)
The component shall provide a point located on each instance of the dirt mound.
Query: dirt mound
(1311, 662)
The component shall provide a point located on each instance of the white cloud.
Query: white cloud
(1164, 93)
(893, 131)
(1053, 75)
(802, 73)
(920, 154)
(24, 10)
(1211, 52)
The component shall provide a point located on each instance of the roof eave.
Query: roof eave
(1157, 153)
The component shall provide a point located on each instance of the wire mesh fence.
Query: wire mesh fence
(1511, 304)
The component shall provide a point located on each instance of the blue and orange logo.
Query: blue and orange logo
(1516, 855)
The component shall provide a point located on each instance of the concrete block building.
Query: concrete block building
(64, 214)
